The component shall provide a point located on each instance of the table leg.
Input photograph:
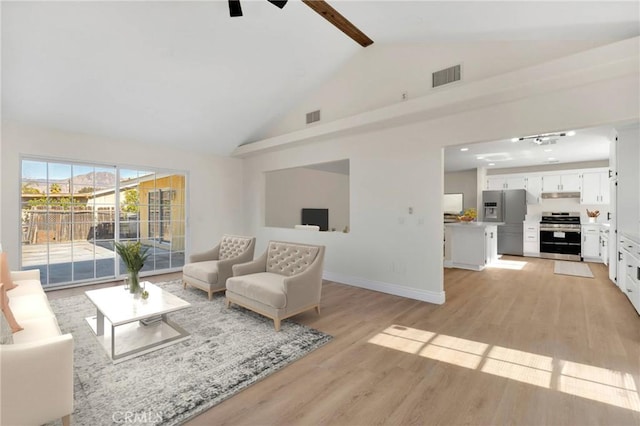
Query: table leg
(113, 342)
(99, 323)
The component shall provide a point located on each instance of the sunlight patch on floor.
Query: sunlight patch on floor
(611, 387)
(507, 264)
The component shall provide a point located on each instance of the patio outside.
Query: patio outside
(73, 214)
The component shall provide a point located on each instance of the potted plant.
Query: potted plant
(133, 255)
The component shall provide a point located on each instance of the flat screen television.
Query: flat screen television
(319, 217)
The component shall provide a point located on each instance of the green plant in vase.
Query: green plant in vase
(133, 255)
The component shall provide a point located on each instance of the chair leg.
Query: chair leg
(318, 309)
(227, 303)
(184, 284)
(66, 420)
(276, 323)
(210, 294)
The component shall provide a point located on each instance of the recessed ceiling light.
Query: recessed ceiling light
(548, 150)
(480, 158)
(464, 149)
(492, 164)
(551, 158)
(515, 140)
(571, 133)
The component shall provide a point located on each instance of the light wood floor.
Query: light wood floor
(524, 347)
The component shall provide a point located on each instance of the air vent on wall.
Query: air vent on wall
(313, 116)
(446, 76)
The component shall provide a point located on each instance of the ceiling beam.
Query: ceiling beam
(322, 8)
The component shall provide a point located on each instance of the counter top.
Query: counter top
(632, 236)
(473, 224)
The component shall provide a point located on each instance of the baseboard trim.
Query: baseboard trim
(383, 287)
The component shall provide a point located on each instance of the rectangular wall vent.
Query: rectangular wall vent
(446, 76)
(313, 116)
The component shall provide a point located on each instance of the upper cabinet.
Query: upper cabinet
(534, 188)
(592, 184)
(566, 182)
(506, 182)
(595, 187)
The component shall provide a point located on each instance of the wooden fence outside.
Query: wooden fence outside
(41, 225)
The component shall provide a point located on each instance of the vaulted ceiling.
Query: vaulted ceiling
(185, 73)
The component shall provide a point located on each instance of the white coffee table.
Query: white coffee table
(127, 316)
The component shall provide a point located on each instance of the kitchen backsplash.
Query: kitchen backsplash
(534, 211)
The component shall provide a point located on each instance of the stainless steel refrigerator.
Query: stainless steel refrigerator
(508, 206)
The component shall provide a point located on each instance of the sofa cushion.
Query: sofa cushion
(5, 273)
(206, 271)
(30, 306)
(265, 287)
(26, 287)
(232, 246)
(37, 329)
(289, 259)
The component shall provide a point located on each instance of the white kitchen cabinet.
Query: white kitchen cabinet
(534, 188)
(470, 245)
(491, 244)
(604, 246)
(595, 188)
(506, 182)
(531, 239)
(591, 243)
(565, 182)
(630, 268)
(495, 183)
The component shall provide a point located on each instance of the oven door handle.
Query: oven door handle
(560, 230)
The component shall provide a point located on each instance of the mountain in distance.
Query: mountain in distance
(103, 180)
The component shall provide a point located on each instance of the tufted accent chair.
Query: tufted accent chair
(284, 281)
(209, 270)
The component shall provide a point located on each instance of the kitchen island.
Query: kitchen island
(470, 245)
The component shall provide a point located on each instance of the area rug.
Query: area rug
(229, 350)
(576, 269)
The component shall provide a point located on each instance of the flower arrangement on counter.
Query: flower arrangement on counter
(594, 213)
(469, 215)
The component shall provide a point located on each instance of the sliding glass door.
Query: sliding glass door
(72, 213)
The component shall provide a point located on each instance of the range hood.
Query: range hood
(560, 195)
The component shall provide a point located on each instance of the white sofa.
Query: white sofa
(36, 371)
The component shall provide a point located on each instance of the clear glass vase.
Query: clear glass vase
(134, 282)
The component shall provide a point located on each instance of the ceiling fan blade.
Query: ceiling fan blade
(330, 14)
(279, 3)
(234, 8)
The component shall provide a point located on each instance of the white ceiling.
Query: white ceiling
(184, 72)
(586, 145)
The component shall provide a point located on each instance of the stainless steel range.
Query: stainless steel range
(560, 236)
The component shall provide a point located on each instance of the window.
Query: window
(72, 213)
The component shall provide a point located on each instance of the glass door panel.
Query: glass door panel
(72, 214)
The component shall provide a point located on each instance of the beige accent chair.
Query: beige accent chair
(284, 281)
(209, 270)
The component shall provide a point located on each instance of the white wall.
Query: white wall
(378, 75)
(400, 167)
(215, 183)
(628, 153)
(290, 190)
(386, 247)
(465, 182)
